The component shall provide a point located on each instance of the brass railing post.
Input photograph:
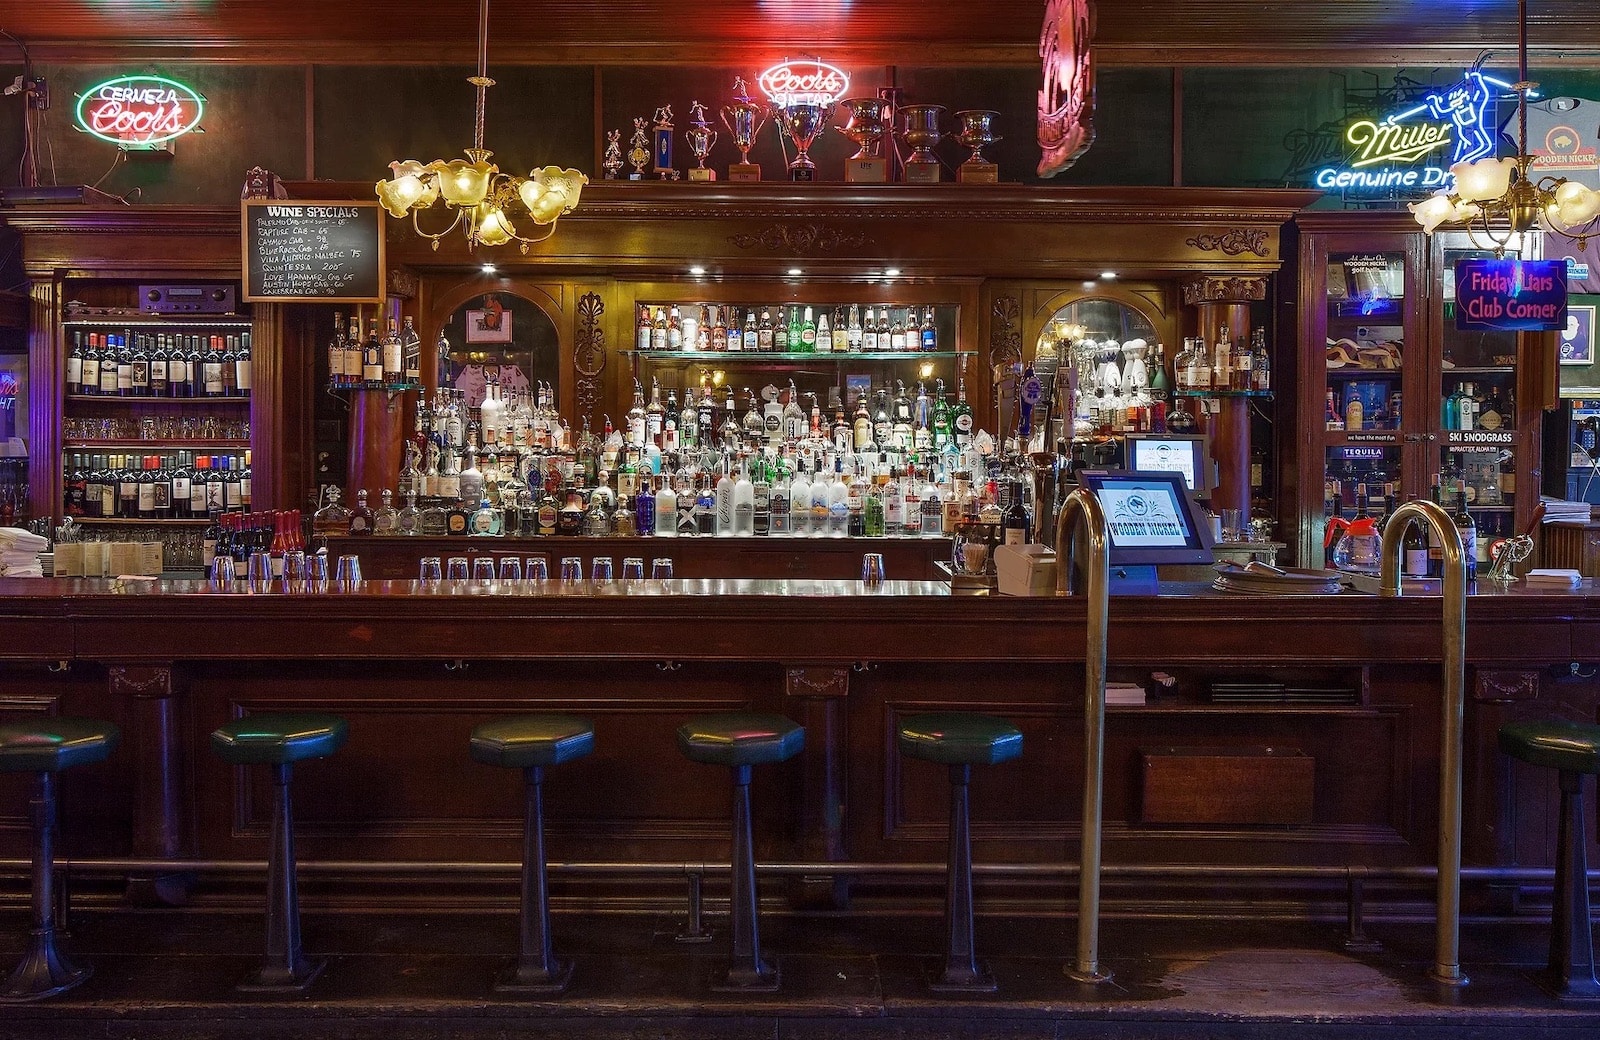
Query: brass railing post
(1447, 941)
(1081, 514)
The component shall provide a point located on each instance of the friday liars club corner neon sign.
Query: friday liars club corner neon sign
(140, 112)
(1412, 151)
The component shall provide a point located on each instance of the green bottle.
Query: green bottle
(872, 510)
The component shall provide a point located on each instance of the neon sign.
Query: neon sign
(140, 111)
(1412, 151)
(811, 81)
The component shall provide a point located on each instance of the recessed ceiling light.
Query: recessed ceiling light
(793, 271)
(489, 269)
(697, 270)
(1088, 285)
(1108, 276)
(893, 272)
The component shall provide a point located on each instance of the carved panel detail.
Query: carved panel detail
(1232, 242)
(589, 353)
(817, 682)
(1216, 288)
(800, 238)
(1005, 338)
(141, 680)
(1495, 685)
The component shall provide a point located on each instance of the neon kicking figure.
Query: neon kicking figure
(1466, 104)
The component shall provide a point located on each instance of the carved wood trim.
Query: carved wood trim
(144, 681)
(589, 353)
(1232, 242)
(800, 239)
(1223, 289)
(1498, 685)
(816, 682)
(1005, 337)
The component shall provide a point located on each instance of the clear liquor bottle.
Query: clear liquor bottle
(386, 518)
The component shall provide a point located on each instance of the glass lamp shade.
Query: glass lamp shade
(551, 192)
(493, 227)
(463, 182)
(1573, 205)
(398, 196)
(1483, 180)
(1433, 211)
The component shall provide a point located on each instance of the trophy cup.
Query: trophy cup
(867, 125)
(743, 119)
(975, 129)
(638, 149)
(803, 122)
(919, 128)
(701, 140)
(612, 163)
(663, 153)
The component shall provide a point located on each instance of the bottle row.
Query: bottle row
(159, 364)
(393, 361)
(237, 535)
(175, 486)
(806, 329)
(1373, 405)
(1422, 555)
(1233, 364)
(1472, 407)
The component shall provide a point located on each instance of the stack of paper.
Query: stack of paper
(19, 553)
(1558, 510)
(1553, 578)
(1124, 693)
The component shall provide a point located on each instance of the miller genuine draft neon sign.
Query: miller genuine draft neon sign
(140, 111)
(1412, 151)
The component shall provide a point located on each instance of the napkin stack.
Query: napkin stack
(1553, 578)
(1124, 693)
(19, 553)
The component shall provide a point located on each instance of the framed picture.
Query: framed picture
(490, 324)
(1576, 343)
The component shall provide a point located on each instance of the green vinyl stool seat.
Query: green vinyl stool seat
(740, 740)
(960, 740)
(530, 743)
(1573, 750)
(279, 740)
(45, 747)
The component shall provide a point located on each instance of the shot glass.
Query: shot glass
(483, 568)
(222, 572)
(632, 568)
(600, 569)
(661, 568)
(457, 568)
(430, 569)
(872, 569)
(510, 568)
(536, 568)
(572, 568)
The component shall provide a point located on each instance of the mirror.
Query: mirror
(1114, 349)
(501, 335)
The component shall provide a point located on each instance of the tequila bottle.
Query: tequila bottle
(361, 518)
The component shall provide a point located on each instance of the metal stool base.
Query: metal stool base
(742, 979)
(515, 980)
(293, 982)
(948, 981)
(42, 972)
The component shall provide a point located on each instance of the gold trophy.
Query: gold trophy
(919, 128)
(639, 148)
(743, 119)
(867, 125)
(613, 160)
(701, 139)
(663, 153)
(975, 129)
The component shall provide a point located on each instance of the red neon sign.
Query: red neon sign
(811, 81)
(140, 110)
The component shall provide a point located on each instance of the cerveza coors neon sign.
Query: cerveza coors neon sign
(809, 81)
(137, 112)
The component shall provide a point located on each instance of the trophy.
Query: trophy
(919, 128)
(701, 139)
(663, 154)
(867, 125)
(638, 149)
(613, 160)
(803, 122)
(743, 119)
(975, 129)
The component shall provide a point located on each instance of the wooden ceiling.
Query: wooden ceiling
(734, 32)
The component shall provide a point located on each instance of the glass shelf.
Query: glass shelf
(114, 399)
(393, 388)
(1222, 393)
(139, 520)
(79, 444)
(155, 320)
(820, 355)
(1364, 373)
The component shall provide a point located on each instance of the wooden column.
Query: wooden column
(820, 694)
(1224, 301)
(162, 819)
(377, 429)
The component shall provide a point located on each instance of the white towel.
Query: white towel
(17, 538)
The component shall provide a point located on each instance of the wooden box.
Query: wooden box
(1240, 786)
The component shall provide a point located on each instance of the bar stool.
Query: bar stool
(45, 747)
(529, 743)
(280, 740)
(740, 741)
(960, 740)
(1573, 749)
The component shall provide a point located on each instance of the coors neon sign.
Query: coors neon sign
(140, 111)
(803, 82)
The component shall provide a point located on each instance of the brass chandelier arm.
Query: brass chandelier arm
(417, 226)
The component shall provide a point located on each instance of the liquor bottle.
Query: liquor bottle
(863, 424)
(597, 518)
(825, 333)
(689, 421)
(939, 420)
(655, 414)
(794, 419)
(665, 514)
(228, 356)
(762, 330)
(838, 507)
(333, 518)
(108, 365)
(124, 366)
(747, 338)
(705, 509)
(838, 340)
(1260, 362)
(869, 334)
(674, 329)
(897, 335)
(696, 334)
(470, 480)
(901, 434)
(658, 330)
(336, 347)
(392, 358)
(408, 519)
(162, 492)
(786, 334)
(410, 354)
(810, 332)
(75, 363)
(853, 333)
(88, 368)
(139, 379)
(1016, 521)
(929, 332)
(386, 518)
(1222, 360)
(177, 370)
(932, 508)
(716, 337)
(193, 367)
(372, 355)
(885, 330)
(1354, 417)
(872, 512)
(843, 437)
(760, 497)
(961, 415)
(744, 504)
(800, 503)
(1331, 415)
(637, 421)
(159, 386)
(781, 520)
(643, 329)
(1469, 531)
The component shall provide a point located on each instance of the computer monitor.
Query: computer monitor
(1172, 452)
(1151, 518)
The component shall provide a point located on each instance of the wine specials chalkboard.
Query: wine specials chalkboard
(313, 252)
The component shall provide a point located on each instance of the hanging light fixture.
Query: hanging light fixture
(1499, 199)
(483, 199)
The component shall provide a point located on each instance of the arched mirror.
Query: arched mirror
(1115, 349)
(503, 338)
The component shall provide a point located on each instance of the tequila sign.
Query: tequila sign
(140, 111)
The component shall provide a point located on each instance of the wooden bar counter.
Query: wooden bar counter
(1335, 764)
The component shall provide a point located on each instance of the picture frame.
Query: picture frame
(489, 325)
(1575, 343)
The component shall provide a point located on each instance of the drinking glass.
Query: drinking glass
(537, 568)
(632, 568)
(294, 569)
(510, 568)
(258, 572)
(483, 568)
(1234, 528)
(317, 567)
(600, 569)
(572, 568)
(222, 572)
(349, 570)
(661, 568)
(872, 568)
(458, 568)
(430, 569)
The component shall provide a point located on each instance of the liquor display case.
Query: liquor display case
(1394, 402)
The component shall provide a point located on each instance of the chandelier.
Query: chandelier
(1499, 197)
(483, 199)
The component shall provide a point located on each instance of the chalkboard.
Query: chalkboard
(297, 250)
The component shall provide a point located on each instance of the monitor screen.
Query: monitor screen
(1172, 453)
(1151, 517)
